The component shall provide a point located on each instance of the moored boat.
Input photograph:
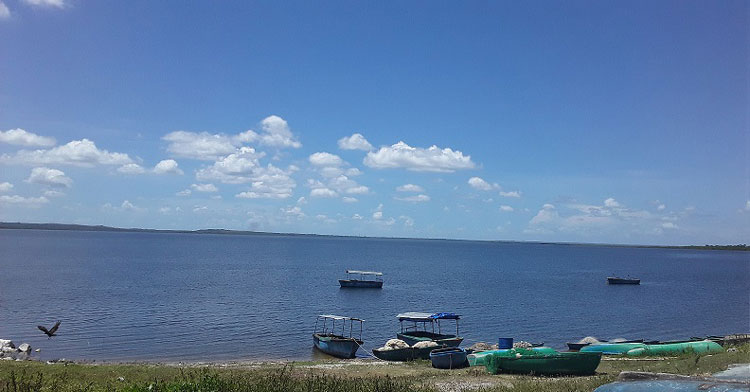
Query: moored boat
(412, 334)
(448, 358)
(479, 358)
(567, 363)
(362, 280)
(403, 354)
(337, 345)
(616, 280)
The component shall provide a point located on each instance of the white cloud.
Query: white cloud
(669, 225)
(515, 194)
(347, 199)
(270, 182)
(358, 190)
(201, 146)
(415, 199)
(353, 172)
(5, 186)
(185, 192)
(481, 184)
(4, 11)
(53, 193)
(204, 187)
(377, 215)
(409, 188)
(78, 152)
(131, 168)
(130, 207)
(747, 205)
(323, 192)
(32, 202)
(199, 209)
(294, 211)
(325, 159)
(611, 203)
(301, 201)
(46, 3)
(408, 221)
(433, 159)
(49, 177)
(167, 166)
(236, 168)
(506, 208)
(661, 207)
(276, 133)
(21, 137)
(357, 217)
(355, 142)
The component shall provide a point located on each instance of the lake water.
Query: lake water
(190, 297)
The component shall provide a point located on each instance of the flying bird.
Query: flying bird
(49, 332)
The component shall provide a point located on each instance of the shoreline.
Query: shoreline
(102, 228)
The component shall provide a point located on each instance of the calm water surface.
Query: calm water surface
(190, 297)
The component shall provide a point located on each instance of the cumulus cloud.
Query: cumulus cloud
(357, 217)
(53, 193)
(167, 166)
(5, 187)
(131, 168)
(481, 184)
(49, 177)
(200, 146)
(238, 167)
(325, 159)
(32, 202)
(323, 192)
(294, 211)
(46, 3)
(415, 199)
(505, 208)
(409, 188)
(433, 159)
(355, 142)
(78, 153)
(347, 199)
(204, 188)
(4, 11)
(276, 133)
(270, 182)
(20, 137)
(183, 193)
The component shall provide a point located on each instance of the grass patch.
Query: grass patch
(342, 376)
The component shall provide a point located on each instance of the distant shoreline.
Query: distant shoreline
(77, 227)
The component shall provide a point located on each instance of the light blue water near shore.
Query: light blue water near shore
(189, 297)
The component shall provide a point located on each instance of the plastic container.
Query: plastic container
(504, 343)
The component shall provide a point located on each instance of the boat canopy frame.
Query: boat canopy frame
(378, 276)
(332, 329)
(422, 318)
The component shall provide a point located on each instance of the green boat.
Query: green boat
(611, 348)
(567, 363)
(478, 358)
(695, 347)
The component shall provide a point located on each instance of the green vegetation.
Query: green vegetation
(342, 376)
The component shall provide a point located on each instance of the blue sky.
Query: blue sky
(585, 121)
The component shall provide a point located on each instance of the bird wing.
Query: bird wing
(54, 327)
(42, 328)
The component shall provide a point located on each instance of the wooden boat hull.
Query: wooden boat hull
(403, 354)
(448, 358)
(412, 338)
(611, 280)
(362, 284)
(337, 346)
(570, 364)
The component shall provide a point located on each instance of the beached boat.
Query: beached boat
(416, 329)
(448, 358)
(663, 348)
(403, 354)
(579, 345)
(571, 364)
(616, 280)
(335, 344)
(361, 279)
(478, 358)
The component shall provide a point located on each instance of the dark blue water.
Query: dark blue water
(189, 297)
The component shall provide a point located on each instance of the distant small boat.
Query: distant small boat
(417, 331)
(361, 281)
(616, 280)
(331, 343)
(448, 358)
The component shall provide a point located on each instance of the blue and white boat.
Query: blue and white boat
(331, 342)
